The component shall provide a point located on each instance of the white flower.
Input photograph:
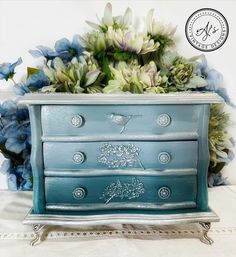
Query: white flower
(143, 78)
(149, 75)
(130, 41)
(108, 20)
(156, 28)
(95, 41)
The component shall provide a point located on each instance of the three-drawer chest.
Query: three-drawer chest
(125, 158)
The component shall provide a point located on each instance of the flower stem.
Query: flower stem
(13, 81)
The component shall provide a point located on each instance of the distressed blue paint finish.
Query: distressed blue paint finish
(52, 124)
(203, 160)
(183, 189)
(60, 155)
(56, 120)
(37, 159)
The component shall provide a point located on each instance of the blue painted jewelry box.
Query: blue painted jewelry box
(119, 158)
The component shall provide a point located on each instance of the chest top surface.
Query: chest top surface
(129, 99)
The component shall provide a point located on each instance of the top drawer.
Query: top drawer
(79, 120)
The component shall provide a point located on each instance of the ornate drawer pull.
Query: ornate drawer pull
(78, 157)
(164, 192)
(79, 193)
(77, 121)
(164, 157)
(164, 120)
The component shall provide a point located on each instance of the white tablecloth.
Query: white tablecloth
(118, 240)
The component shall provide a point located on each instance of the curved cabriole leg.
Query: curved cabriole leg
(205, 229)
(37, 229)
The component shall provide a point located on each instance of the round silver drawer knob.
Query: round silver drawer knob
(164, 120)
(78, 157)
(164, 157)
(79, 193)
(77, 121)
(164, 192)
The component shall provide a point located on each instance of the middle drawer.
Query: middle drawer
(120, 155)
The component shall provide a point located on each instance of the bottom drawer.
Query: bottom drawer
(120, 192)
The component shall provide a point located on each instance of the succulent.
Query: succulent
(78, 76)
(134, 78)
(182, 76)
(220, 141)
(95, 42)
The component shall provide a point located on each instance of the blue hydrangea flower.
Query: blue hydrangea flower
(18, 137)
(7, 114)
(33, 83)
(216, 179)
(26, 173)
(7, 70)
(214, 79)
(21, 89)
(44, 51)
(37, 81)
(19, 177)
(15, 135)
(8, 170)
(67, 50)
(15, 126)
(8, 111)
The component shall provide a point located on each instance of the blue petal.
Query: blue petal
(232, 141)
(62, 45)
(22, 114)
(5, 69)
(214, 79)
(26, 185)
(37, 81)
(13, 66)
(223, 93)
(2, 138)
(2, 76)
(21, 89)
(231, 155)
(6, 166)
(204, 61)
(11, 129)
(36, 53)
(47, 52)
(12, 182)
(10, 107)
(76, 45)
(14, 145)
(44, 51)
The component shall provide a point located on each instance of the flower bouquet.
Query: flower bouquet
(113, 57)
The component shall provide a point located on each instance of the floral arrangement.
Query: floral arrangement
(113, 57)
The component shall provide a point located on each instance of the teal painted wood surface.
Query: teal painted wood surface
(56, 120)
(37, 159)
(182, 189)
(183, 154)
(203, 160)
(60, 175)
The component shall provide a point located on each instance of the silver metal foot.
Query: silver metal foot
(38, 231)
(205, 229)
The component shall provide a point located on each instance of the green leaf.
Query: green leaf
(136, 89)
(16, 158)
(31, 71)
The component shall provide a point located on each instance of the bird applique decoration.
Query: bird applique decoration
(121, 120)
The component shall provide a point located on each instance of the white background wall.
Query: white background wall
(26, 24)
